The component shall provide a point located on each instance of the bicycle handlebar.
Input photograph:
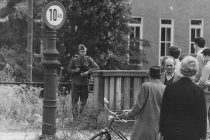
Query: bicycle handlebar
(124, 120)
(115, 115)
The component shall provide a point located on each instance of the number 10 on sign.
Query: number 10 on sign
(54, 15)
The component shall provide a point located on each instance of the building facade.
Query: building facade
(171, 22)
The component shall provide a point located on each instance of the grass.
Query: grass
(18, 104)
(91, 122)
(21, 114)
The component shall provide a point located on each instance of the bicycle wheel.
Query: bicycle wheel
(101, 136)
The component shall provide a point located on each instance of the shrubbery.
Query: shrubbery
(18, 104)
(6, 75)
(21, 107)
(87, 120)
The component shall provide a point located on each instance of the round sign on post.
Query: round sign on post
(54, 15)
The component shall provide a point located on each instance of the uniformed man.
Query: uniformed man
(80, 68)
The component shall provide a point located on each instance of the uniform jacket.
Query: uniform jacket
(183, 111)
(76, 62)
(176, 77)
(147, 111)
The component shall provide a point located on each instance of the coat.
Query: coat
(176, 77)
(183, 111)
(147, 111)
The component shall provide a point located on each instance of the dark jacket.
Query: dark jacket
(86, 64)
(175, 78)
(183, 111)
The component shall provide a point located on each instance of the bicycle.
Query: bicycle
(105, 133)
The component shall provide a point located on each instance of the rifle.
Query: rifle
(83, 68)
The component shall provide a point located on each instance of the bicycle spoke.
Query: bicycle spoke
(100, 136)
(116, 132)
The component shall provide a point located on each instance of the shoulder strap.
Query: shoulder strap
(87, 59)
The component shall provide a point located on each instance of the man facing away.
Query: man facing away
(199, 46)
(204, 83)
(175, 52)
(147, 108)
(80, 68)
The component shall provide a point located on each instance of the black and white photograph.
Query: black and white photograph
(104, 70)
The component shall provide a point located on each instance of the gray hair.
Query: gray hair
(189, 66)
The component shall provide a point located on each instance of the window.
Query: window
(38, 44)
(134, 39)
(3, 3)
(2, 20)
(136, 32)
(196, 30)
(166, 36)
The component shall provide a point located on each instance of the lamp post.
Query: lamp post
(50, 64)
(54, 16)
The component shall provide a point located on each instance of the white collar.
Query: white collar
(168, 77)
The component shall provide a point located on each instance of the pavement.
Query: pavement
(20, 135)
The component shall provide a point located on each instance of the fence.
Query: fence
(120, 87)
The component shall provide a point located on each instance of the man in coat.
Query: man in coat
(175, 52)
(199, 47)
(169, 75)
(147, 108)
(80, 68)
(204, 83)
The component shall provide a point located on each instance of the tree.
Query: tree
(100, 25)
(13, 35)
(9, 8)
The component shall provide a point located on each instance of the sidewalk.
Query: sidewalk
(34, 135)
(20, 135)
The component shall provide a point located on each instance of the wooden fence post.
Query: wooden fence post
(120, 87)
(98, 96)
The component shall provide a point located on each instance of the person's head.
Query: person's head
(168, 64)
(199, 42)
(82, 50)
(175, 52)
(155, 72)
(206, 54)
(189, 66)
